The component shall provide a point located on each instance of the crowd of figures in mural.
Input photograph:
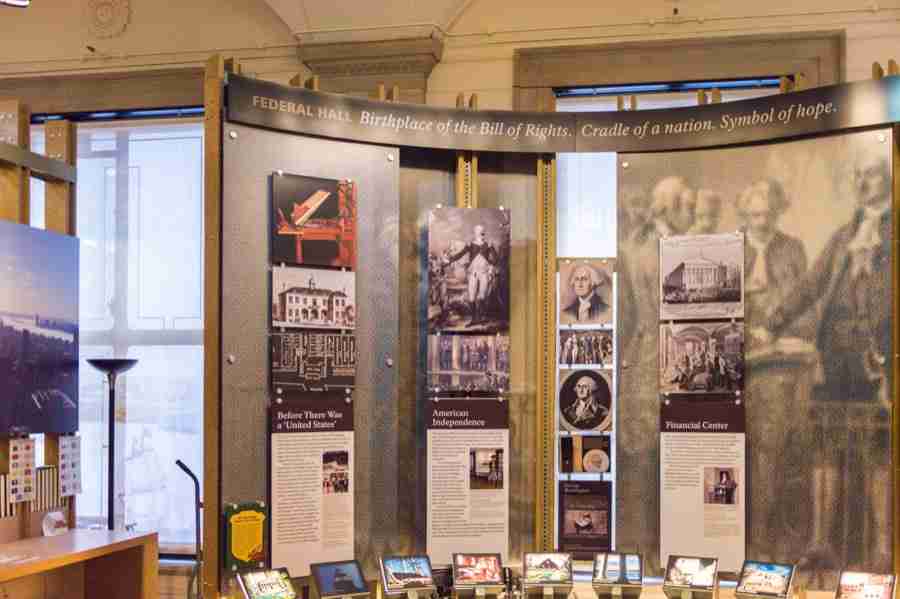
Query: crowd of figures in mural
(815, 339)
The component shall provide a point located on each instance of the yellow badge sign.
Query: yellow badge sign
(247, 535)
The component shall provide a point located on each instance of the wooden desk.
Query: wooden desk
(81, 564)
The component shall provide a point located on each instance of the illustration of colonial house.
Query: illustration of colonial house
(314, 307)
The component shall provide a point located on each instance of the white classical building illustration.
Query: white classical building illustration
(313, 306)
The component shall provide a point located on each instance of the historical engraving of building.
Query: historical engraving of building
(323, 299)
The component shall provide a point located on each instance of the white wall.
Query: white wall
(51, 36)
(478, 55)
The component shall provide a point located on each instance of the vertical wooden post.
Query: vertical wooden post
(877, 71)
(60, 216)
(785, 85)
(213, 91)
(15, 121)
(14, 206)
(544, 338)
(620, 103)
(466, 165)
(633, 102)
(893, 70)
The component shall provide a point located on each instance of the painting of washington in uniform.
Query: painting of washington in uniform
(586, 292)
(818, 315)
(701, 276)
(468, 270)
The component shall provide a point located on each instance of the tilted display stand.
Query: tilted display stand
(547, 591)
(629, 591)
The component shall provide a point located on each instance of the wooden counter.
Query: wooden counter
(81, 564)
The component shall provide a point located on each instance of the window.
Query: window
(586, 182)
(140, 221)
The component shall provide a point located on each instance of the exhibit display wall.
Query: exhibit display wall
(817, 333)
(454, 403)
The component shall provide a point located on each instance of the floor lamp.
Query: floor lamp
(112, 367)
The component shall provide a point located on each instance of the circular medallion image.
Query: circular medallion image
(585, 401)
(595, 460)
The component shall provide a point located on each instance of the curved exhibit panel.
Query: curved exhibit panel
(815, 338)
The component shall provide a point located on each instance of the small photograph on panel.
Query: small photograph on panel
(468, 270)
(701, 276)
(336, 472)
(313, 221)
(304, 361)
(765, 578)
(683, 571)
(864, 585)
(313, 298)
(585, 400)
(468, 363)
(720, 485)
(485, 468)
(586, 291)
(701, 358)
(585, 348)
(548, 568)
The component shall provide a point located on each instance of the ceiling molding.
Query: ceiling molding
(405, 56)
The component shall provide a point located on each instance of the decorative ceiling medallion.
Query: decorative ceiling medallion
(108, 18)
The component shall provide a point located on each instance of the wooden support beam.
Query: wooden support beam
(213, 103)
(14, 180)
(785, 85)
(877, 71)
(59, 209)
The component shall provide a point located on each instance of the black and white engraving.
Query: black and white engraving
(585, 348)
(310, 298)
(468, 270)
(818, 316)
(701, 358)
(701, 276)
(473, 364)
(585, 400)
(312, 361)
(586, 292)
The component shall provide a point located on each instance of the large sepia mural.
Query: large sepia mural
(817, 331)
